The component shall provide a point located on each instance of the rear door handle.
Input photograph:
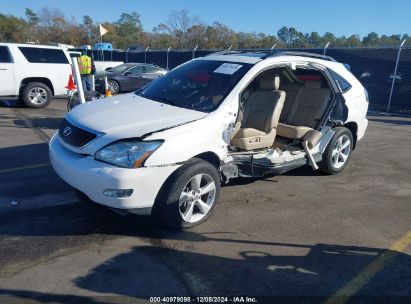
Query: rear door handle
(1, 69)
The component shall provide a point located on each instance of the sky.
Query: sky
(344, 17)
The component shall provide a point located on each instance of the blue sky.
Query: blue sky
(344, 17)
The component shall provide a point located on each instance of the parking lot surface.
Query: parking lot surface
(303, 234)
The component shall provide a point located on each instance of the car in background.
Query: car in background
(34, 73)
(85, 47)
(135, 48)
(128, 77)
(104, 46)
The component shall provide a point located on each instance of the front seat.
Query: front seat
(261, 114)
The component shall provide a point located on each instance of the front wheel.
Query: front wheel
(114, 86)
(189, 196)
(338, 152)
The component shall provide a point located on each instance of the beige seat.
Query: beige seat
(306, 111)
(261, 115)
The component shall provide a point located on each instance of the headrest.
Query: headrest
(313, 84)
(268, 82)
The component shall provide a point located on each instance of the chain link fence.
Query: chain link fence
(374, 67)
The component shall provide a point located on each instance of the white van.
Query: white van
(34, 73)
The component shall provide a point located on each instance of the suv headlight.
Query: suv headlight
(127, 154)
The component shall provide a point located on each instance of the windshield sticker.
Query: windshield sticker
(228, 68)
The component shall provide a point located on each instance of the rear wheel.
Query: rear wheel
(189, 196)
(338, 152)
(36, 95)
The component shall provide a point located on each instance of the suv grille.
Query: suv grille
(75, 136)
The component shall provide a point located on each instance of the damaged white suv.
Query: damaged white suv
(166, 149)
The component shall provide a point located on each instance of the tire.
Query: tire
(181, 193)
(338, 152)
(114, 86)
(36, 95)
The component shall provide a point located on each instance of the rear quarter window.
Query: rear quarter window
(342, 83)
(43, 55)
(5, 56)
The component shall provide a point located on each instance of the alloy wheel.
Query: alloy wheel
(197, 198)
(38, 95)
(341, 151)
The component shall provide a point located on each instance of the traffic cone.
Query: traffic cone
(70, 85)
(108, 93)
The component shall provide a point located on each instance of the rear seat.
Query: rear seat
(303, 113)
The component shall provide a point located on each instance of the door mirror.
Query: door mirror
(127, 73)
(108, 69)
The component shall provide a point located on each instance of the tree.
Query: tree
(328, 38)
(129, 29)
(179, 22)
(53, 24)
(288, 35)
(353, 41)
(90, 29)
(12, 29)
(315, 40)
(371, 39)
(31, 17)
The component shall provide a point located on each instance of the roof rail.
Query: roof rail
(303, 54)
(234, 52)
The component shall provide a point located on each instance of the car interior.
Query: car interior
(283, 109)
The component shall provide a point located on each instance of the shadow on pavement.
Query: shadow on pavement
(319, 273)
(45, 122)
(305, 278)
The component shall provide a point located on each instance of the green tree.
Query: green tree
(31, 17)
(371, 39)
(314, 39)
(12, 29)
(128, 29)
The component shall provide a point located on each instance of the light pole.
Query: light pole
(325, 48)
(145, 54)
(168, 51)
(395, 74)
(194, 50)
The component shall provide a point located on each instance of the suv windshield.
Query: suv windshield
(199, 85)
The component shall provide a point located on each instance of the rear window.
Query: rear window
(42, 55)
(5, 54)
(342, 83)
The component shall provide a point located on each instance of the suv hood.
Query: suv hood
(129, 115)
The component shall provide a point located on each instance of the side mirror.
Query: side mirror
(108, 69)
(127, 73)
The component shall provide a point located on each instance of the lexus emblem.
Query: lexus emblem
(67, 131)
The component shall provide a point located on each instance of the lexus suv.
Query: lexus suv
(166, 149)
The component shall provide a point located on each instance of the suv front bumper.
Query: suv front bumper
(93, 177)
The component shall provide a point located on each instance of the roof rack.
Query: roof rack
(234, 52)
(303, 54)
(265, 53)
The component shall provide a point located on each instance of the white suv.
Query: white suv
(34, 73)
(166, 148)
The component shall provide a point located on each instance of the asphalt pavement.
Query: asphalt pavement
(301, 236)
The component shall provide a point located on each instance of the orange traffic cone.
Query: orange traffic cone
(108, 93)
(70, 85)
